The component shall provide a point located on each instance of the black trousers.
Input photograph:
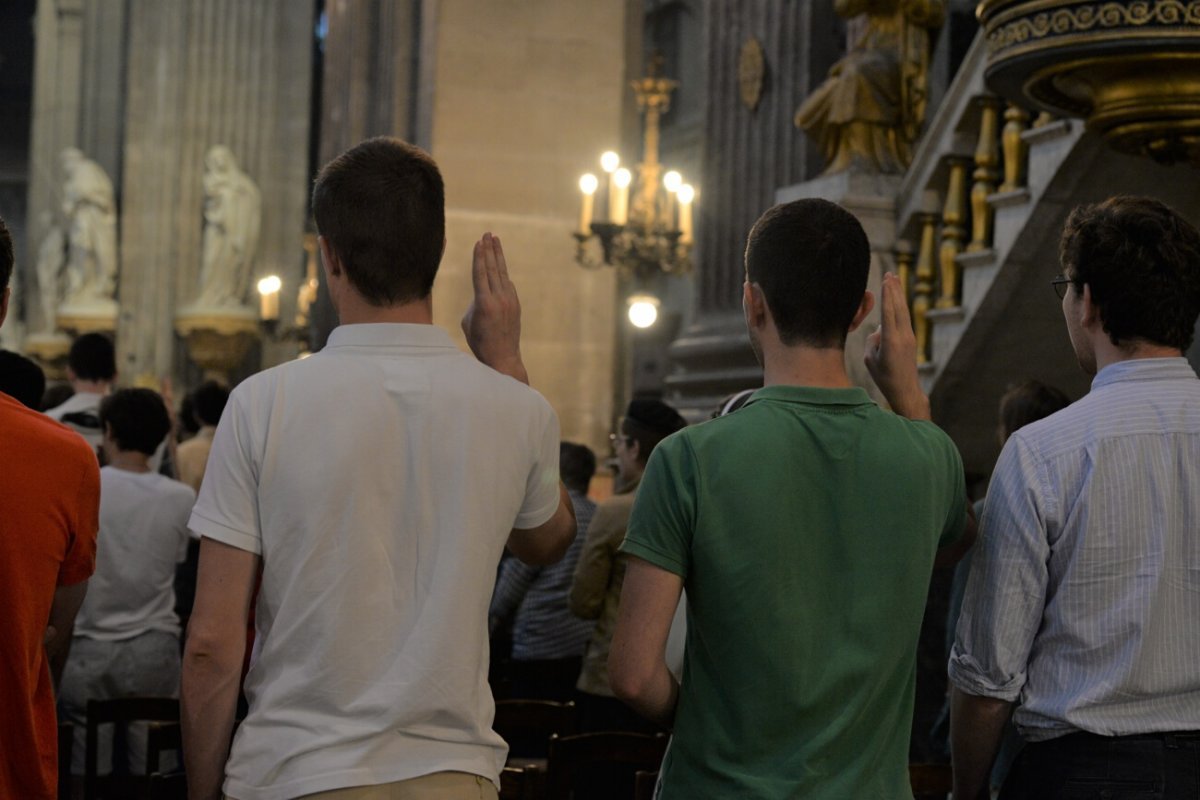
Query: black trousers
(1084, 766)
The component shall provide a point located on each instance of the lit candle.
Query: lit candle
(268, 290)
(609, 161)
(686, 195)
(588, 185)
(619, 206)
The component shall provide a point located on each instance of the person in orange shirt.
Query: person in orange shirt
(49, 515)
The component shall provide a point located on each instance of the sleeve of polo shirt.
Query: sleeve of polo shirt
(227, 509)
(1006, 590)
(79, 561)
(664, 513)
(541, 487)
(956, 520)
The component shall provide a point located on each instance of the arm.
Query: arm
(952, 553)
(891, 355)
(594, 568)
(976, 730)
(511, 587)
(212, 662)
(64, 607)
(637, 665)
(546, 543)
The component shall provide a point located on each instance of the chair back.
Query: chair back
(600, 766)
(121, 712)
(166, 787)
(527, 725)
(644, 784)
(66, 747)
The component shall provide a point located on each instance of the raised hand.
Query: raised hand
(891, 354)
(492, 323)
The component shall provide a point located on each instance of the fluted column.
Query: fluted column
(923, 290)
(954, 218)
(1016, 151)
(987, 162)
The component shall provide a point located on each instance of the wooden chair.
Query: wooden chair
(522, 783)
(162, 737)
(930, 781)
(643, 784)
(166, 787)
(600, 766)
(527, 725)
(66, 747)
(120, 712)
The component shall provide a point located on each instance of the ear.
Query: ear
(329, 259)
(864, 308)
(755, 304)
(635, 450)
(1089, 314)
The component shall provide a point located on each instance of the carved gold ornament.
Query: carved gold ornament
(752, 71)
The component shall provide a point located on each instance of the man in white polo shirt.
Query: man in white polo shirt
(377, 483)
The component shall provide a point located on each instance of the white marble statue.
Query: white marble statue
(52, 258)
(232, 218)
(91, 216)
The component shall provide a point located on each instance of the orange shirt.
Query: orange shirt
(49, 515)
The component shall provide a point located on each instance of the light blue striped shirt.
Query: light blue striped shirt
(1083, 602)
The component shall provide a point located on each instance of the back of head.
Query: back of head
(648, 422)
(93, 358)
(811, 258)
(576, 466)
(1029, 402)
(381, 207)
(208, 402)
(21, 379)
(6, 256)
(138, 419)
(1141, 262)
(56, 395)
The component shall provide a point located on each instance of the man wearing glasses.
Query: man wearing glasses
(1083, 604)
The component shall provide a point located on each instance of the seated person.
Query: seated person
(126, 638)
(21, 379)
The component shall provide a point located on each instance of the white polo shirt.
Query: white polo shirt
(379, 480)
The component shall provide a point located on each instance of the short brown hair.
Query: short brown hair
(1141, 261)
(381, 206)
(1029, 402)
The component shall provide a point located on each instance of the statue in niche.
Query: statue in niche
(51, 259)
(232, 218)
(867, 114)
(91, 215)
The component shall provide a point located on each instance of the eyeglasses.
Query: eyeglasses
(614, 438)
(1060, 285)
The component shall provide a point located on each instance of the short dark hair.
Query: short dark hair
(381, 206)
(208, 401)
(56, 395)
(1028, 402)
(6, 255)
(576, 465)
(1141, 261)
(138, 417)
(648, 422)
(811, 257)
(93, 358)
(21, 379)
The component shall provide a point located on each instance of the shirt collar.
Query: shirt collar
(813, 395)
(389, 334)
(1144, 369)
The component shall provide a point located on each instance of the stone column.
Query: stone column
(202, 73)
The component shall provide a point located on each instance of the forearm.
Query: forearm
(912, 403)
(208, 705)
(976, 730)
(656, 698)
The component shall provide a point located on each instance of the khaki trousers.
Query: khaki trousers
(438, 786)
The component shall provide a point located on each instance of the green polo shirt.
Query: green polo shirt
(804, 526)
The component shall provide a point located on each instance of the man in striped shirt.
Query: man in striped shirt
(1083, 605)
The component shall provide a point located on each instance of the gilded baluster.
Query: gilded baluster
(954, 232)
(903, 255)
(1016, 152)
(923, 289)
(1043, 119)
(987, 163)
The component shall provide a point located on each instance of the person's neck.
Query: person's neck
(802, 365)
(129, 461)
(356, 311)
(90, 387)
(1108, 353)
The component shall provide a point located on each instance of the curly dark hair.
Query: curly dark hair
(1141, 261)
(138, 417)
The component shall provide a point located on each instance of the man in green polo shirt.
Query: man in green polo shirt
(805, 527)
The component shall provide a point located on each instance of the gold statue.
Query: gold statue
(869, 111)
